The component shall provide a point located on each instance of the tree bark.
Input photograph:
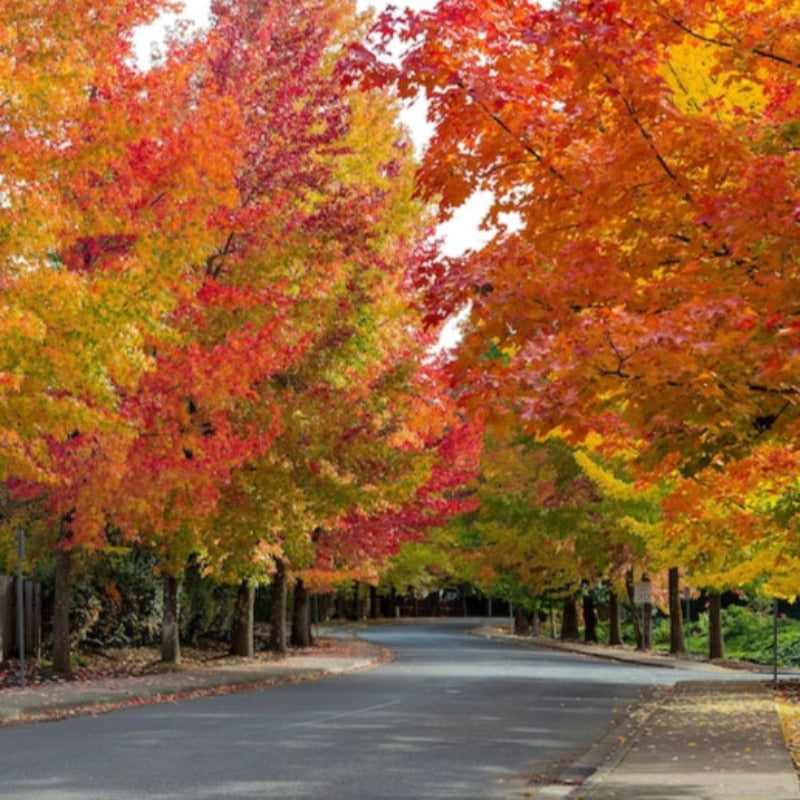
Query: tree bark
(170, 623)
(522, 622)
(637, 624)
(647, 626)
(569, 624)
(62, 663)
(354, 612)
(716, 644)
(301, 617)
(589, 619)
(243, 621)
(374, 603)
(676, 646)
(277, 632)
(614, 622)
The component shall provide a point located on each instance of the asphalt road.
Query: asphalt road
(452, 716)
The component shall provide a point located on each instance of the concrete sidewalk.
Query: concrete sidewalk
(715, 739)
(58, 699)
(706, 740)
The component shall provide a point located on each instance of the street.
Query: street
(452, 716)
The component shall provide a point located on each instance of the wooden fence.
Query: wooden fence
(32, 605)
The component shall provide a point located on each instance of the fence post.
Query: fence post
(6, 616)
(21, 605)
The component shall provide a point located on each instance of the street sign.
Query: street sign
(642, 592)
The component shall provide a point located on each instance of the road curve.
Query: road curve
(452, 716)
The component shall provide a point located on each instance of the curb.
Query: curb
(110, 701)
(622, 657)
(607, 753)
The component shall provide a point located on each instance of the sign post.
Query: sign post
(642, 592)
(775, 643)
(687, 595)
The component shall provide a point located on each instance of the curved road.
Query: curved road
(452, 716)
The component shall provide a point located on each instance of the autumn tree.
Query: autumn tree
(270, 414)
(641, 161)
(102, 174)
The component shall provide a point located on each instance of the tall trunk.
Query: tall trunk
(62, 662)
(277, 632)
(637, 625)
(614, 623)
(301, 617)
(522, 622)
(243, 621)
(589, 619)
(170, 623)
(314, 612)
(569, 623)
(647, 626)
(374, 603)
(354, 610)
(716, 644)
(536, 622)
(676, 646)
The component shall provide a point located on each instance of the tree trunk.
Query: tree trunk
(569, 624)
(170, 623)
(676, 646)
(301, 618)
(522, 622)
(243, 621)
(614, 623)
(637, 624)
(589, 619)
(374, 603)
(314, 611)
(647, 626)
(716, 644)
(62, 663)
(354, 615)
(277, 632)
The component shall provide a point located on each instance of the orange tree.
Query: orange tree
(275, 408)
(640, 281)
(102, 174)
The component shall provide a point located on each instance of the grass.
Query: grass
(747, 633)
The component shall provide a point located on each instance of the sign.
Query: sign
(642, 592)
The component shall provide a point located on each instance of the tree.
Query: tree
(641, 158)
(97, 183)
(626, 292)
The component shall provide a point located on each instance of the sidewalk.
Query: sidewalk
(698, 740)
(55, 700)
(706, 740)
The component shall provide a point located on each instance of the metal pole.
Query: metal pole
(21, 605)
(775, 642)
(687, 634)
